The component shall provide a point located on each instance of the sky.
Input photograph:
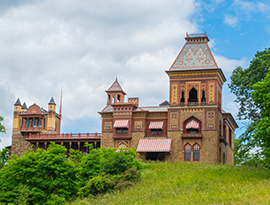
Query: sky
(80, 46)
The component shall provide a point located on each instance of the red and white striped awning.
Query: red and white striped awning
(120, 124)
(193, 125)
(154, 145)
(156, 125)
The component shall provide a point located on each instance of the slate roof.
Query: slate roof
(116, 87)
(24, 106)
(165, 103)
(18, 102)
(195, 54)
(52, 102)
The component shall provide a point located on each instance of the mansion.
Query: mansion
(192, 126)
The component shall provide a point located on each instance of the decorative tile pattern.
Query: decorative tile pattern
(194, 56)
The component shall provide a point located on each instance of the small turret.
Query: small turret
(24, 107)
(115, 93)
(17, 106)
(51, 105)
(17, 110)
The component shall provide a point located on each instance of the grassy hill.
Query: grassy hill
(193, 183)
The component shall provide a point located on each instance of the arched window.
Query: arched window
(187, 152)
(203, 96)
(196, 152)
(113, 99)
(193, 95)
(182, 96)
(118, 98)
(109, 97)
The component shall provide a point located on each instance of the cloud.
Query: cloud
(79, 47)
(228, 65)
(251, 7)
(231, 20)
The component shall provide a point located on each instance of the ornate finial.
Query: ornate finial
(116, 76)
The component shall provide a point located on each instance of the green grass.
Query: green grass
(192, 183)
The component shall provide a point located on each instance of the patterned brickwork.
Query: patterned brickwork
(177, 152)
(19, 145)
(211, 93)
(174, 94)
(136, 136)
(211, 119)
(230, 156)
(107, 125)
(107, 140)
(174, 120)
(209, 150)
(138, 124)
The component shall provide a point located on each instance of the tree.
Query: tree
(261, 98)
(2, 128)
(242, 85)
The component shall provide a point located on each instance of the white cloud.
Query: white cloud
(251, 7)
(228, 65)
(80, 46)
(231, 20)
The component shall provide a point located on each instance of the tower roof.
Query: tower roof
(18, 102)
(24, 106)
(115, 87)
(52, 102)
(195, 54)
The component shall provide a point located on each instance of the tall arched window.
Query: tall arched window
(118, 98)
(193, 95)
(182, 96)
(203, 96)
(196, 152)
(187, 152)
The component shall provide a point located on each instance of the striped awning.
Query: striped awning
(193, 125)
(156, 125)
(154, 145)
(120, 124)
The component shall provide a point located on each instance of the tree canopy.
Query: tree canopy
(246, 84)
(51, 177)
(2, 128)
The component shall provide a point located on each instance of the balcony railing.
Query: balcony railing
(65, 136)
(31, 129)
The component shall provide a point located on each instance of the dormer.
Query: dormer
(115, 94)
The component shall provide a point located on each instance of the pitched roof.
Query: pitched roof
(18, 102)
(165, 103)
(52, 102)
(116, 87)
(195, 54)
(24, 106)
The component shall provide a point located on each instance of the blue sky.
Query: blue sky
(79, 46)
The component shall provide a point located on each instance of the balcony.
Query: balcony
(31, 129)
(71, 136)
(192, 135)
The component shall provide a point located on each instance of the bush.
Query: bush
(49, 177)
(44, 172)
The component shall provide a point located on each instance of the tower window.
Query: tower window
(182, 96)
(203, 96)
(118, 98)
(193, 95)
